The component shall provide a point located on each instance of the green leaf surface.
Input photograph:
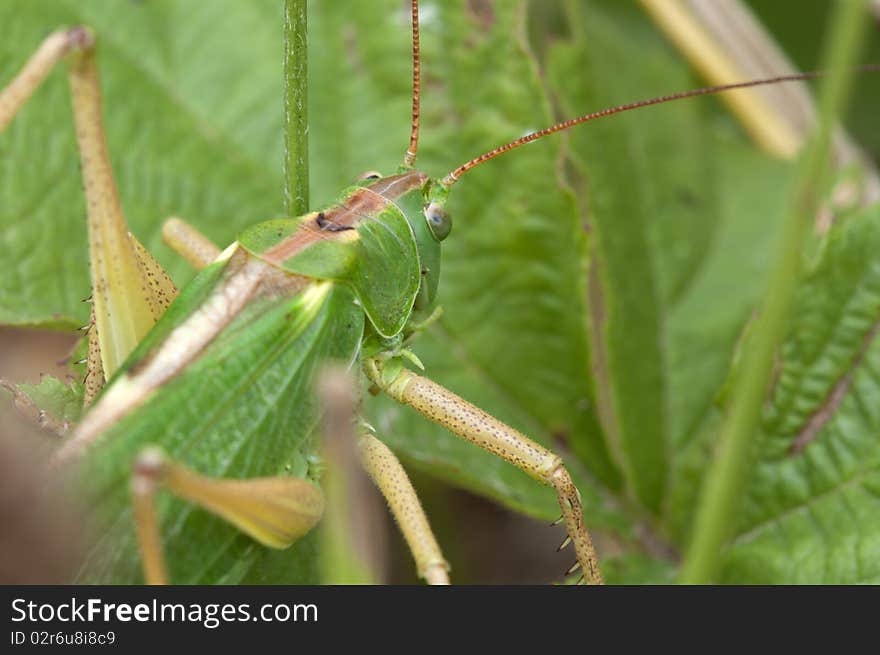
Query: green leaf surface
(62, 401)
(234, 425)
(595, 285)
(679, 256)
(169, 127)
(207, 150)
(811, 512)
(512, 335)
(673, 201)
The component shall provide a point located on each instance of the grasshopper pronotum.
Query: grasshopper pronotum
(287, 287)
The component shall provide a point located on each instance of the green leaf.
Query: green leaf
(815, 490)
(170, 132)
(512, 334)
(62, 401)
(672, 202)
(670, 211)
(185, 142)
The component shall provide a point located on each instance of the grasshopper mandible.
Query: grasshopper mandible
(286, 296)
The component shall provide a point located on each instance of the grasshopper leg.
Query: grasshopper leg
(339, 398)
(130, 290)
(385, 470)
(189, 243)
(276, 511)
(468, 421)
(53, 49)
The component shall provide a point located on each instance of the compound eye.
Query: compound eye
(439, 220)
(369, 175)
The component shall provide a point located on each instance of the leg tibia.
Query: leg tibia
(339, 398)
(189, 243)
(124, 306)
(470, 422)
(50, 52)
(385, 470)
(144, 487)
(130, 291)
(573, 515)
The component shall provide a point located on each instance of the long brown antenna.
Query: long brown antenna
(410, 158)
(452, 177)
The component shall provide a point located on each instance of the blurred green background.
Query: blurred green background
(682, 206)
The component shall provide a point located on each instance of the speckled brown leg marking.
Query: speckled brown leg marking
(385, 470)
(94, 379)
(470, 422)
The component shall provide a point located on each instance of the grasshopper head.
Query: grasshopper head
(424, 206)
(431, 224)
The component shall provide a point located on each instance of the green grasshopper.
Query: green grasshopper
(353, 283)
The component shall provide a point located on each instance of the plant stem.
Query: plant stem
(722, 490)
(296, 134)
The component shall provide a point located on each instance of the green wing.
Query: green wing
(243, 408)
(378, 258)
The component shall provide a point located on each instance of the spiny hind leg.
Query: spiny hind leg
(275, 511)
(53, 49)
(184, 239)
(468, 421)
(130, 290)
